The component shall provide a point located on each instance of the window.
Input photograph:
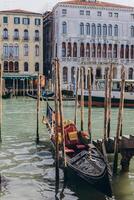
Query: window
(99, 29)
(64, 11)
(132, 31)
(75, 49)
(116, 30)
(5, 66)
(11, 66)
(104, 30)
(65, 74)
(36, 67)
(88, 12)
(73, 75)
(37, 22)
(81, 12)
(69, 50)
(11, 51)
(36, 50)
(36, 35)
(16, 66)
(88, 29)
(98, 73)
(82, 50)
(5, 33)
(64, 27)
(25, 21)
(132, 16)
(116, 15)
(26, 34)
(93, 30)
(16, 20)
(110, 30)
(81, 29)
(5, 20)
(25, 66)
(16, 34)
(110, 14)
(5, 50)
(99, 13)
(130, 73)
(63, 49)
(26, 50)
(16, 50)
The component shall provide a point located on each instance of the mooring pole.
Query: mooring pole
(56, 123)
(76, 96)
(119, 122)
(0, 103)
(82, 100)
(38, 109)
(109, 100)
(89, 104)
(106, 104)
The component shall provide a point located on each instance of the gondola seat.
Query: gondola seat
(67, 150)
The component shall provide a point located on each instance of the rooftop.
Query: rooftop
(19, 11)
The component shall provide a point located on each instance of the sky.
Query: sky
(44, 5)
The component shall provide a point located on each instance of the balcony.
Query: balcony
(9, 58)
(26, 38)
(11, 71)
(36, 39)
(16, 38)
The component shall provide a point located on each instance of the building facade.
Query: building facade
(92, 34)
(21, 44)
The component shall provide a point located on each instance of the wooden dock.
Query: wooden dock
(126, 148)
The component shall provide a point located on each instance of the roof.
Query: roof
(19, 11)
(96, 4)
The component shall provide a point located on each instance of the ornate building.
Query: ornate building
(21, 44)
(90, 33)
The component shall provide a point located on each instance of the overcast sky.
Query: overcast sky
(43, 5)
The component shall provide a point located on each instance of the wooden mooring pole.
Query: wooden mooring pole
(89, 104)
(56, 123)
(76, 97)
(119, 122)
(38, 109)
(0, 103)
(61, 114)
(106, 104)
(82, 100)
(109, 100)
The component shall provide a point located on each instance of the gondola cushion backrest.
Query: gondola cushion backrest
(71, 136)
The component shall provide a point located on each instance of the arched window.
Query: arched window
(5, 50)
(127, 52)
(5, 68)
(82, 50)
(99, 29)
(11, 66)
(130, 73)
(75, 49)
(114, 73)
(99, 51)
(64, 27)
(16, 66)
(110, 51)
(116, 30)
(122, 51)
(63, 49)
(5, 33)
(88, 50)
(81, 28)
(16, 34)
(37, 67)
(69, 49)
(132, 31)
(65, 75)
(16, 50)
(115, 51)
(11, 51)
(104, 52)
(93, 50)
(26, 34)
(109, 30)
(88, 29)
(132, 51)
(93, 30)
(36, 35)
(36, 50)
(25, 66)
(104, 30)
(26, 50)
(98, 73)
(73, 75)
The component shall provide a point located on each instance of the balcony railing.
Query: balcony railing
(11, 71)
(37, 39)
(11, 57)
(26, 38)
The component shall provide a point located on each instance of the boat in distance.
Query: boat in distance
(98, 94)
(83, 158)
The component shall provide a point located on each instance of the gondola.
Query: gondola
(6, 95)
(83, 158)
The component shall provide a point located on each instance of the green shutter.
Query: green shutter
(5, 19)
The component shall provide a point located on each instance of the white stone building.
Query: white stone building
(91, 33)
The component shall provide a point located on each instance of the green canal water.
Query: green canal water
(27, 171)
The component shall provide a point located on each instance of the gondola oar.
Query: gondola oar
(89, 104)
(106, 104)
(38, 109)
(76, 96)
(82, 100)
(119, 122)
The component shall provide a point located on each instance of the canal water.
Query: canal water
(27, 170)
